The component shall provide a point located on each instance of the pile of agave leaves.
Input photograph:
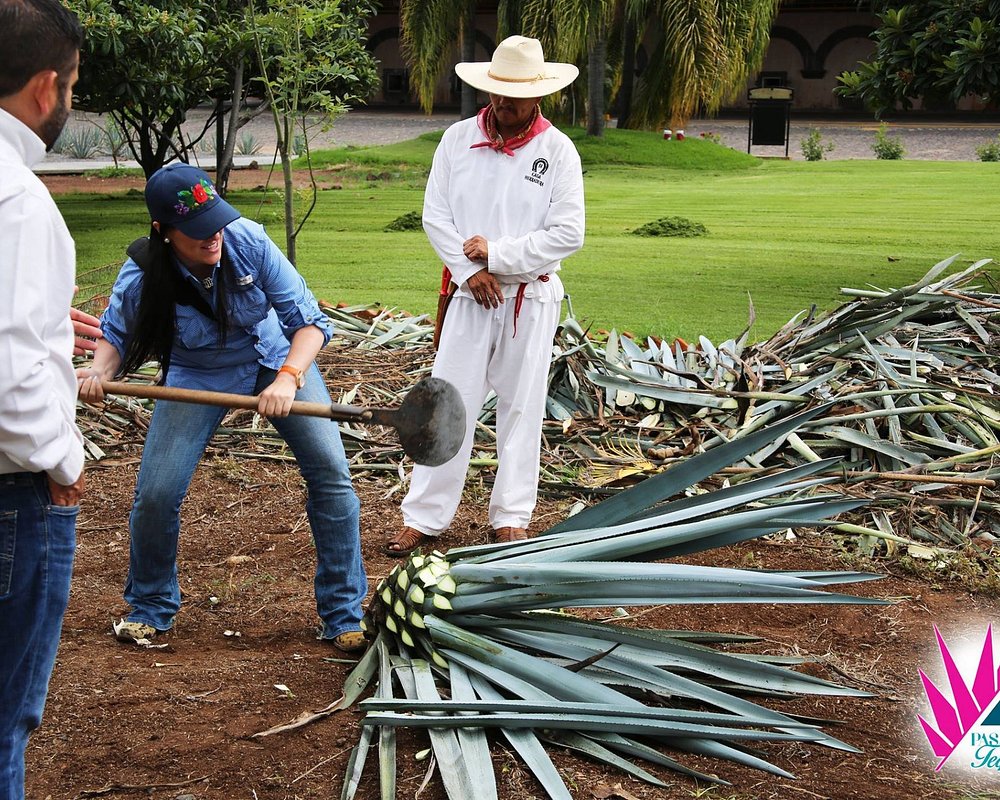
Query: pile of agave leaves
(913, 375)
(481, 638)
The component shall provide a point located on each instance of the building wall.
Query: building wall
(809, 50)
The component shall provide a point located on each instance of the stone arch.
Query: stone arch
(810, 64)
(838, 37)
(383, 35)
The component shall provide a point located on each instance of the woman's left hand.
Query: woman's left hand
(276, 399)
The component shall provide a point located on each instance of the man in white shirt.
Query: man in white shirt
(41, 450)
(503, 207)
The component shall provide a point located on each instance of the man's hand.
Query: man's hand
(66, 495)
(477, 249)
(86, 330)
(485, 289)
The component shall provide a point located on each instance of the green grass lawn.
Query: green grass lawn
(786, 234)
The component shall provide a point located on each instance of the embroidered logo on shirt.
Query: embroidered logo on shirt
(538, 168)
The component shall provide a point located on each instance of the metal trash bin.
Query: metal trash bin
(770, 116)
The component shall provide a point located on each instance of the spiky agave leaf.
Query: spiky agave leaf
(482, 616)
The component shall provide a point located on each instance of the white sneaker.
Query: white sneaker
(134, 632)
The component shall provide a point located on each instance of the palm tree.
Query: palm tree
(570, 30)
(429, 35)
(705, 52)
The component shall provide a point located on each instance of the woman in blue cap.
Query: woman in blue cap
(213, 299)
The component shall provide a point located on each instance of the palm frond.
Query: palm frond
(428, 39)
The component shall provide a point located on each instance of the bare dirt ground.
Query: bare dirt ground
(174, 723)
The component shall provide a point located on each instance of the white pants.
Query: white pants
(478, 351)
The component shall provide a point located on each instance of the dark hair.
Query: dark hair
(35, 36)
(163, 288)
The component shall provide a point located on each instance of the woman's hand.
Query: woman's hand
(104, 367)
(276, 399)
(88, 381)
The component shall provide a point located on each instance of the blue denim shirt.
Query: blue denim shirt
(268, 301)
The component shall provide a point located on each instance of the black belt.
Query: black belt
(10, 479)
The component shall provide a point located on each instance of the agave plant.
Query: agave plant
(479, 637)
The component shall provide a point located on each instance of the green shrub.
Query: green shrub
(80, 141)
(248, 144)
(814, 148)
(115, 172)
(671, 226)
(990, 151)
(410, 221)
(886, 147)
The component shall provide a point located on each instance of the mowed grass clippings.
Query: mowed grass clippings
(786, 234)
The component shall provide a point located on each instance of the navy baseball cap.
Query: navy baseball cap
(183, 197)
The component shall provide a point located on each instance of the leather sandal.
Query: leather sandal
(508, 534)
(405, 542)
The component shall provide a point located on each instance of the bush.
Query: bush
(814, 148)
(410, 221)
(248, 144)
(115, 172)
(80, 141)
(989, 151)
(889, 148)
(671, 226)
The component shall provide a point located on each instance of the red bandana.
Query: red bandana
(487, 121)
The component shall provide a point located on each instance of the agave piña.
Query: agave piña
(488, 626)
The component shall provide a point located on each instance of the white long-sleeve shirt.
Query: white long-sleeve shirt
(38, 389)
(529, 207)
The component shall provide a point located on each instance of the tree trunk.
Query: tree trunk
(284, 137)
(596, 67)
(224, 149)
(469, 54)
(628, 75)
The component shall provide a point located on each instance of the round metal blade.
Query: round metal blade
(431, 422)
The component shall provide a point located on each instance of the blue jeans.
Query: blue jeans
(36, 560)
(175, 443)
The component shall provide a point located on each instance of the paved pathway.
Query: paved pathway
(929, 141)
(938, 141)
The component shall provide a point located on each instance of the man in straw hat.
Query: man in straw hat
(503, 207)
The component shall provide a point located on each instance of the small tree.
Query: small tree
(147, 64)
(312, 61)
(933, 50)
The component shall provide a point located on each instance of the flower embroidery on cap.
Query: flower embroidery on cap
(195, 197)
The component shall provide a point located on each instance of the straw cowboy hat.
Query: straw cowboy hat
(518, 69)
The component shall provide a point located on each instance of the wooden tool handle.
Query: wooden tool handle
(227, 400)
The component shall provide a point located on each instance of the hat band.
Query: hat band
(538, 77)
